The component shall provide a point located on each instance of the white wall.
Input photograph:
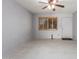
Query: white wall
(64, 27)
(75, 25)
(16, 25)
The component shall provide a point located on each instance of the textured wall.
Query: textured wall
(64, 27)
(17, 25)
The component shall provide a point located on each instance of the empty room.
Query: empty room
(39, 29)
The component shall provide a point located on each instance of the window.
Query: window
(46, 23)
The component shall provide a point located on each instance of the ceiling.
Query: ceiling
(35, 7)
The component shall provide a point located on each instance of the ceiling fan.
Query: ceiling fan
(51, 4)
